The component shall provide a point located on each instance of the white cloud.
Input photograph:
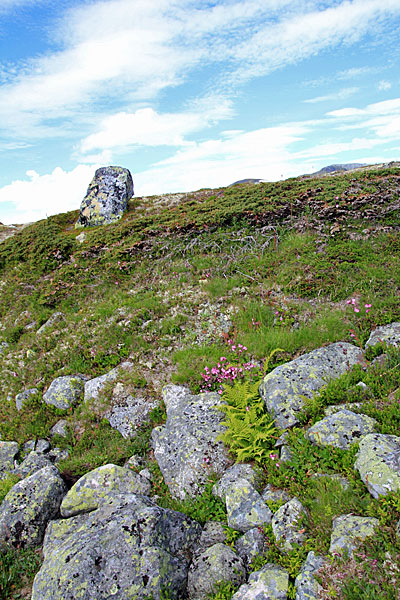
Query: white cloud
(380, 118)
(383, 85)
(339, 95)
(44, 195)
(146, 127)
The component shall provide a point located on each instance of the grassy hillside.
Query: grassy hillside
(268, 265)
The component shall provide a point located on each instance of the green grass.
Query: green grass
(268, 265)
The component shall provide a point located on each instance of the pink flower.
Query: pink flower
(356, 310)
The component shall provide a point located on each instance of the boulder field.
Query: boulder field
(107, 538)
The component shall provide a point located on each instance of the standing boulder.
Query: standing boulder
(107, 197)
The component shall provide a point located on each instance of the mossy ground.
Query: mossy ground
(269, 265)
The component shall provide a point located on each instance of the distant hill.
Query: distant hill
(246, 181)
(340, 167)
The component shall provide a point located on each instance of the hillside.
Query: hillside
(171, 288)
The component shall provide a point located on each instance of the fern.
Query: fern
(251, 432)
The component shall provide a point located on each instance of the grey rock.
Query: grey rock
(8, 452)
(284, 389)
(32, 463)
(29, 446)
(145, 473)
(98, 486)
(93, 387)
(231, 475)
(288, 524)
(185, 447)
(274, 495)
(282, 440)
(29, 506)
(378, 462)
(55, 318)
(21, 398)
(107, 197)
(388, 334)
(64, 392)
(126, 419)
(127, 548)
(42, 446)
(307, 587)
(286, 454)
(213, 533)
(269, 583)
(81, 237)
(245, 507)
(250, 545)
(56, 455)
(335, 408)
(216, 564)
(341, 430)
(60, 428)
(134, 462)
(3, 347)
(348, 530)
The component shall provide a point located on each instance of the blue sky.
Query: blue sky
(190, 94)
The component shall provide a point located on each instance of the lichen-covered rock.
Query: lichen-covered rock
(127, 548)
(64, 392)
(274, 495)
(8, 452)
(217, 564)
(32, 463)
(21, 398)
(106, 197)
(213, 533)
(269, 583)
(55, 318)
(126, 419)
(185, 448)
(29, 506)
(93, 387)
(42, 446)
(307, 587)
(289, 524)
(341, 430)
(231, 475)
(388, 334)
(245, 507)
(348, 530)
(378, 462)
(60, 428)
(284, 388)
(250, 545)
(97, 486)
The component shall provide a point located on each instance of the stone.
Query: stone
(285, 388)
(93, 387)
(231, 475)
(3, 347)
(127, 548)
(335, 408)
(271, 494)
(378, 463)
(55, 318)
(288, 524)
(307, 587)
(107, 197)
(186, 447)
(42, 446)
(245, 507)
(250, 545)
(64, 392)
(269, 583)
(29, 506)
(341, 430)
(60, 428)
(56, 455)
(32, 463)
(388, 334)
(126, 419)
(286, 454)
(21, 398)
(217, 564)
(8, 452)
(213, 533)
(98, 486)
(348, 530)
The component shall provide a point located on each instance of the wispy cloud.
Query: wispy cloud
(383, 85)
(339, 95)
(382, 119)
